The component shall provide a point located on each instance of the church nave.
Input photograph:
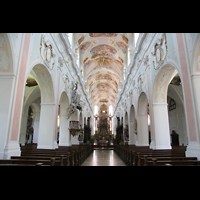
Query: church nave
(69, 98)
(103, 158)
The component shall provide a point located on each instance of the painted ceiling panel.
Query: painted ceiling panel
(103, 34)
(103, 57)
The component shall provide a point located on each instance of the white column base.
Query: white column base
(45, 146)
(12, 149)
(152, 145)
(163, 147)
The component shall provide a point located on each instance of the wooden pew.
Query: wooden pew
(148, 160)
(134, 155)
(50, 162)
(156, 162)
(20, 165)
(70, 156)
(59, 161)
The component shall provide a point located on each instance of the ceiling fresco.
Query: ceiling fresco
(103, 58)
(103, 34)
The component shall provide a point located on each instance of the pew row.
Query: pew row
(62, 156)
(143, 156)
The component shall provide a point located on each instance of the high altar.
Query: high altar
(103, 126)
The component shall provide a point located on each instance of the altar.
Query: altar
(103, 133)
(103, 143)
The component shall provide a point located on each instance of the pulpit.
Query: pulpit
(74, 127)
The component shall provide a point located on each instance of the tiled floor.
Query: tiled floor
(103, 158)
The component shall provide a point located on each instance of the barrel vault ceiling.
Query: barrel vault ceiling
(102, 60)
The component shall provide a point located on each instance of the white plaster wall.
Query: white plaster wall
(6, 85)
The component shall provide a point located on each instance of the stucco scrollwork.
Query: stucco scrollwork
(46, 52)
(160, 52)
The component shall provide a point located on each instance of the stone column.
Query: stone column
(142, 126)
(196, 83)
(65, 137)
(161, 124)
(132, 137)
(192, 112)
(7, 148)
(47, 126)
(36, 127)
(193, 148)
(23, 129)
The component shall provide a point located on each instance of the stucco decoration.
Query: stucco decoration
(75, 101)
(5, 58)
(46, 52)
(122, 46)
(103, 34)
(102, 49)
(84, 47)
(159, 52)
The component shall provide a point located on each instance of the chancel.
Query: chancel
(99, 99)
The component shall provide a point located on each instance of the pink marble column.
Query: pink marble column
(186, 86)
(20, 88)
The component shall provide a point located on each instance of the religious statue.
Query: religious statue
(135, 126)
(126, 136)
(29, 130)
(75, 101)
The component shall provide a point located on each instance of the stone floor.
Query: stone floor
(103, 158)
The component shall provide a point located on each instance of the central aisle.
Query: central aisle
(103, 158)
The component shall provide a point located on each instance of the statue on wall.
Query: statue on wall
(29, 128)
(75, 101)
(126, 133)
(135, 126)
